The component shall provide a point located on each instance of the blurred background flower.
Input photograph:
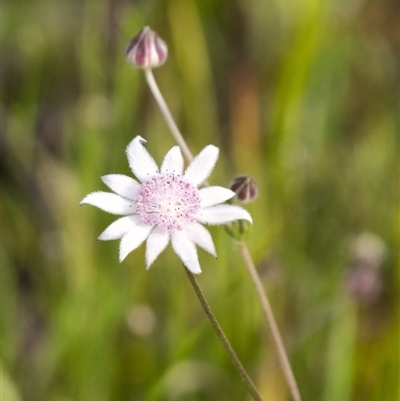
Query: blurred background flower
(303, 96)
(364, 275)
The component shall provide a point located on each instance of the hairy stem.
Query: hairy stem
(266, 307)
(167, 114)
(232, 354)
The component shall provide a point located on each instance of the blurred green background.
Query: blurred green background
(303, 96)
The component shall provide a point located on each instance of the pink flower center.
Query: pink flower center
(169, 201)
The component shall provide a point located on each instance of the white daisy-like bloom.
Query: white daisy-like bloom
(165, 204)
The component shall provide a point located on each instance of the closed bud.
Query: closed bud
(146, 49)
(238, 230)
(245, 188)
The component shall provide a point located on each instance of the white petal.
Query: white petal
(186, 250)
(201, 237)
(222, 214)
(140, 161)
(122, 185)
(211, 196)
(118, 229)
(109, 202)
(156, 243)
(134, 237)
(202, 165)
(173, 161)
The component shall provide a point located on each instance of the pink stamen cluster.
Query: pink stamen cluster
(169, 201)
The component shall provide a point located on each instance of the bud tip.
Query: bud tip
(146, 49)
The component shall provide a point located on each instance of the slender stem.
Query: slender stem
(167, 114)
(266, 307)
(239, 367)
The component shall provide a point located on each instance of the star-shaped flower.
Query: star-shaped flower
(165, 204)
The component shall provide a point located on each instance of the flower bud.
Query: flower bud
(245, 188)
(363, 277)
(146, 49)
(238, 230)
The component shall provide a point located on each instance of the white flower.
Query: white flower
(165, 205)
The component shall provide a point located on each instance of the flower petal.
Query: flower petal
(122, 185)
(109, 202)
(222, 214)
(156, 243)
(173, 161)
(140, 161)
(201, 237)
(134, 237)
(118, 229)
(202, 165)
(186, 250)
(211, 196)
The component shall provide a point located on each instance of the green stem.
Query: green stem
(266, 307)
(239, 367)
(167, 114)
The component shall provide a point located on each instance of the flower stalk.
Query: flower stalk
(269, 316)
(167, 114)
(210, 315)
(232, 354)
(277, 338)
